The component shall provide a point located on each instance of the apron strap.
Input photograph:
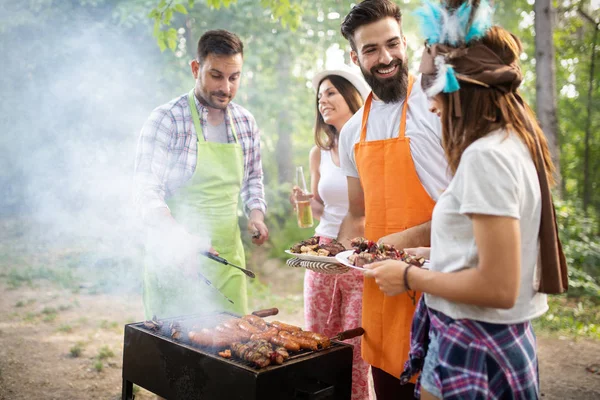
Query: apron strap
(196, 118)
(367, 111)
(402, 129)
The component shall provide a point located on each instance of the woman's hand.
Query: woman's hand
(420, 252)
(298, 194)
(389, 276)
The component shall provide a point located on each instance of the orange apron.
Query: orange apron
(394, 201)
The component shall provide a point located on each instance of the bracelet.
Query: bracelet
(413, 296)
(406, 286)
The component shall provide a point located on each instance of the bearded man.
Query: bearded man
(392, 154)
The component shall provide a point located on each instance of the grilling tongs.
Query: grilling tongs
(223, 261)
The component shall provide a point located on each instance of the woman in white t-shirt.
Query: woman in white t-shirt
(332, 303)
(480, 293)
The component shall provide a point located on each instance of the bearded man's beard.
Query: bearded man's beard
(392, 89)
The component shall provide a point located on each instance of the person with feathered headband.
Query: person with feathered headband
(472, 336)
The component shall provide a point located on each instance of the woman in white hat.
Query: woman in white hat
(333, 303)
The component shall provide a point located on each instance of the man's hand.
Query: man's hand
(419, 252)
(389, 276)
(257, 227)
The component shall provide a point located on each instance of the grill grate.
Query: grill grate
(209, 321)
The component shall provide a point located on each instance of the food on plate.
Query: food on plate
(311, 246)
(367, 252)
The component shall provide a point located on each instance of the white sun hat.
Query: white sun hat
(345, 72)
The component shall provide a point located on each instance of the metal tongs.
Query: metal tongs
(223, 261)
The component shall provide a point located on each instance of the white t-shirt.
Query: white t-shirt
(333, 190)
(496, 176)
(422, 127)
(216, 133)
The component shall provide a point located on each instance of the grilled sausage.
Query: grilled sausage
(322, 340)
(286, 343)
(248, 327)
(305, 343)
(209, 338)
(269, 333)
(231, 323)
(285, 327)
(256, 321)
(237, 334)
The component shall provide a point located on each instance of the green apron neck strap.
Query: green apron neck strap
(196, 117)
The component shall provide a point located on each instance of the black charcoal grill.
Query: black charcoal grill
(180, 369)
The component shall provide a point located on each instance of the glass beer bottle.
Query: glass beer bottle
(303, 210)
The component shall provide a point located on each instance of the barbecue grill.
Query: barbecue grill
(181, 369)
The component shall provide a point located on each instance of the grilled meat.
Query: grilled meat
(334, 247)
(322, 340)
(246, 353)
(269, 333)
(256, 321)
(303, 342)
(285, 327)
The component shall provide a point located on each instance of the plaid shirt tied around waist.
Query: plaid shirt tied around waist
(167, 154)
(477, 360)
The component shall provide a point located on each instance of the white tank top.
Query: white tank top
(333, 190)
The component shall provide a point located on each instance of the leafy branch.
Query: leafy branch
(288, 13)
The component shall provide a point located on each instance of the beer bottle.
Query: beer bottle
(303, 210)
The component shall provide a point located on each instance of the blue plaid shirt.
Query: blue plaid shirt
(167, 154)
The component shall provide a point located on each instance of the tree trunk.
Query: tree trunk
(546, 79)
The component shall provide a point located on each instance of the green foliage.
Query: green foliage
(76, 350)
(581, 247)
(570, 317)
(105, 352)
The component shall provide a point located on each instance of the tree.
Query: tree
(546, 77)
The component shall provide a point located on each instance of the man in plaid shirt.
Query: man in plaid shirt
(196, 156)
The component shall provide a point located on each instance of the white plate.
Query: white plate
(343, 259)
(310, 257)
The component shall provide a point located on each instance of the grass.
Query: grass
(76, 350)
(65, 328)
(104, 324)
(572, 317)
(105, 352)
(98, 365)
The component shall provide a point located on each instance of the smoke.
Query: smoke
(77, 87)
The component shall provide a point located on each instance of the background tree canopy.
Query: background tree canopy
(81, 76)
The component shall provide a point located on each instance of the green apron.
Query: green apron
(208, 207)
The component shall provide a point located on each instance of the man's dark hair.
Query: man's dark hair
(366, 12)
(220, 42)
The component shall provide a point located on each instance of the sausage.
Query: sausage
(286, 343)
(237, 334)
(266, 335)
(285, 327)
(305, 343)
(231, 323)
(248, 327)
(322, 340)
(256, 321)
(209, 338)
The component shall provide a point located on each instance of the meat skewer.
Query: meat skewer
(248, 354)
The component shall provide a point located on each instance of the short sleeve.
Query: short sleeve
(487, 183)
(346, 151)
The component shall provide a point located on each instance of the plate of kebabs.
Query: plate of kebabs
(367, 252)
(311, 250)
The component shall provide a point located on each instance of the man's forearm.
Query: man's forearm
(352, 226)
(417, 236)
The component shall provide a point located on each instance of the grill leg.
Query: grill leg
(127, 390)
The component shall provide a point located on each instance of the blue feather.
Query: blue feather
(430, 17)
(482, 21)
(463, 14)
(451, 81)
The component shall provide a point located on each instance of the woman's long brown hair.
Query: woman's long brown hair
(487, 109)
(325, 134)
